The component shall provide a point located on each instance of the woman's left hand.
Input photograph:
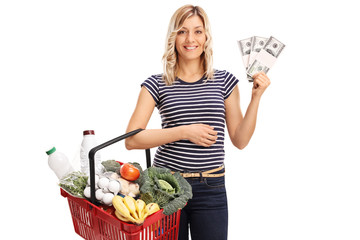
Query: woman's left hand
(261, 82)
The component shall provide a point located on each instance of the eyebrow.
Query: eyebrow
(195, 27)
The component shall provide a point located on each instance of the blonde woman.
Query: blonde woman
(195, 102)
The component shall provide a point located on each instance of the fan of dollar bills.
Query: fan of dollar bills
(259, 54)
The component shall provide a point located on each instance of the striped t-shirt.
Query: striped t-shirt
(184, 103)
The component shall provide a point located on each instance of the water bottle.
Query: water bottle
(87, 144)
(59, 163)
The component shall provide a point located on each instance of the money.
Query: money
(257, 43)
(267, 56)
(256, 67)
(245, 49)
(259, 54)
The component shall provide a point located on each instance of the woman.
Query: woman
(195, 102)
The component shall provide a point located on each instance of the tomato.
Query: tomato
(129, 172)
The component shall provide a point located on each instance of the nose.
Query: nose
(190, 37)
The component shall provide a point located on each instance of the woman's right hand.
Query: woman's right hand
(200, 134)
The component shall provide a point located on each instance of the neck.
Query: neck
(189, 69)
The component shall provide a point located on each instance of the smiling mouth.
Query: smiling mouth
(190, 47)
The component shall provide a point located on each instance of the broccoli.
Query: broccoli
(111, 165)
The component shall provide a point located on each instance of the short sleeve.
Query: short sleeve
(152, 85)
(230, 82)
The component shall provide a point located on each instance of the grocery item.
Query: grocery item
(114, 186)
(106, 188)
(140, 206)
(89, 142)
(129, 210)
(107, 198)
(129, 172)
(74, 183)
(111, 165)
(127, 187)
(130, 204)
(121, 208)
(59, 163)
(159, 185)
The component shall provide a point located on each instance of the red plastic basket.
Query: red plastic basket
(91, 222)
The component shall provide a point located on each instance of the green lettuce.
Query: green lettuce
(159, 185)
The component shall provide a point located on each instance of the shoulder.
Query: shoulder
(227, 80)
(222, 74)
(154, 80)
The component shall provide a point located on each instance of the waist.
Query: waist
(215, 172)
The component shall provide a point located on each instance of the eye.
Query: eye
(199, 32)
(181, 32)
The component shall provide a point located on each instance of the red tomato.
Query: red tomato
(129, 172)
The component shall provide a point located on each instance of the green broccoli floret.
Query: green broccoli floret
(111, 165)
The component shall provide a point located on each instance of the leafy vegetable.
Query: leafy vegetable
(166, 186)
(170, 191)
(74, 183)
(111, 165)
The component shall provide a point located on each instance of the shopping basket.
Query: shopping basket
(93, 223)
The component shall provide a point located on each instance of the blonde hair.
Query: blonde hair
(170, 58)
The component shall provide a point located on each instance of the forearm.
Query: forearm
(150, 138)
(246, 127)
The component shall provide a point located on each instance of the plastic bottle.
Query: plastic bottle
(87, 144)
(59, 163)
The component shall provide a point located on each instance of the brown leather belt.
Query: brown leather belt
(205, 174)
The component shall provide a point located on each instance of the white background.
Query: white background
(67, 66)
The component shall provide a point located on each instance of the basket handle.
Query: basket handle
(103, 145)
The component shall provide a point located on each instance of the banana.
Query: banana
(121, 208)
(130, 210)
(150, 209)
(130, 204)
(121, 217)
(140, 206)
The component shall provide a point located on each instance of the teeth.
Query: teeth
(190, 48)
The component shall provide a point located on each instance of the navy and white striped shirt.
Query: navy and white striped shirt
(184, 103)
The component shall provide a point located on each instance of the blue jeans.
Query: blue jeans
(206, 213)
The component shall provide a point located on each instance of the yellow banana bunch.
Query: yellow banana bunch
(130, 210)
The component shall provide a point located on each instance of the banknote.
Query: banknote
(266, 57)
(274, 46)
(257, 43)
(245, 49)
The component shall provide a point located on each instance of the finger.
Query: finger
(264, 81)
(260, 81)
(209, 136)
(264, 76)
(212, 138)
(257, 82)
(208, 126)
(207, 142)
(259, 74)
(255, 76)
(203, 143)
(262, 73)
(213, 133)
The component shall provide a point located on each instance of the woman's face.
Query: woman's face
(190, 39)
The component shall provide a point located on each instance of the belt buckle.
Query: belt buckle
(201, 176)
